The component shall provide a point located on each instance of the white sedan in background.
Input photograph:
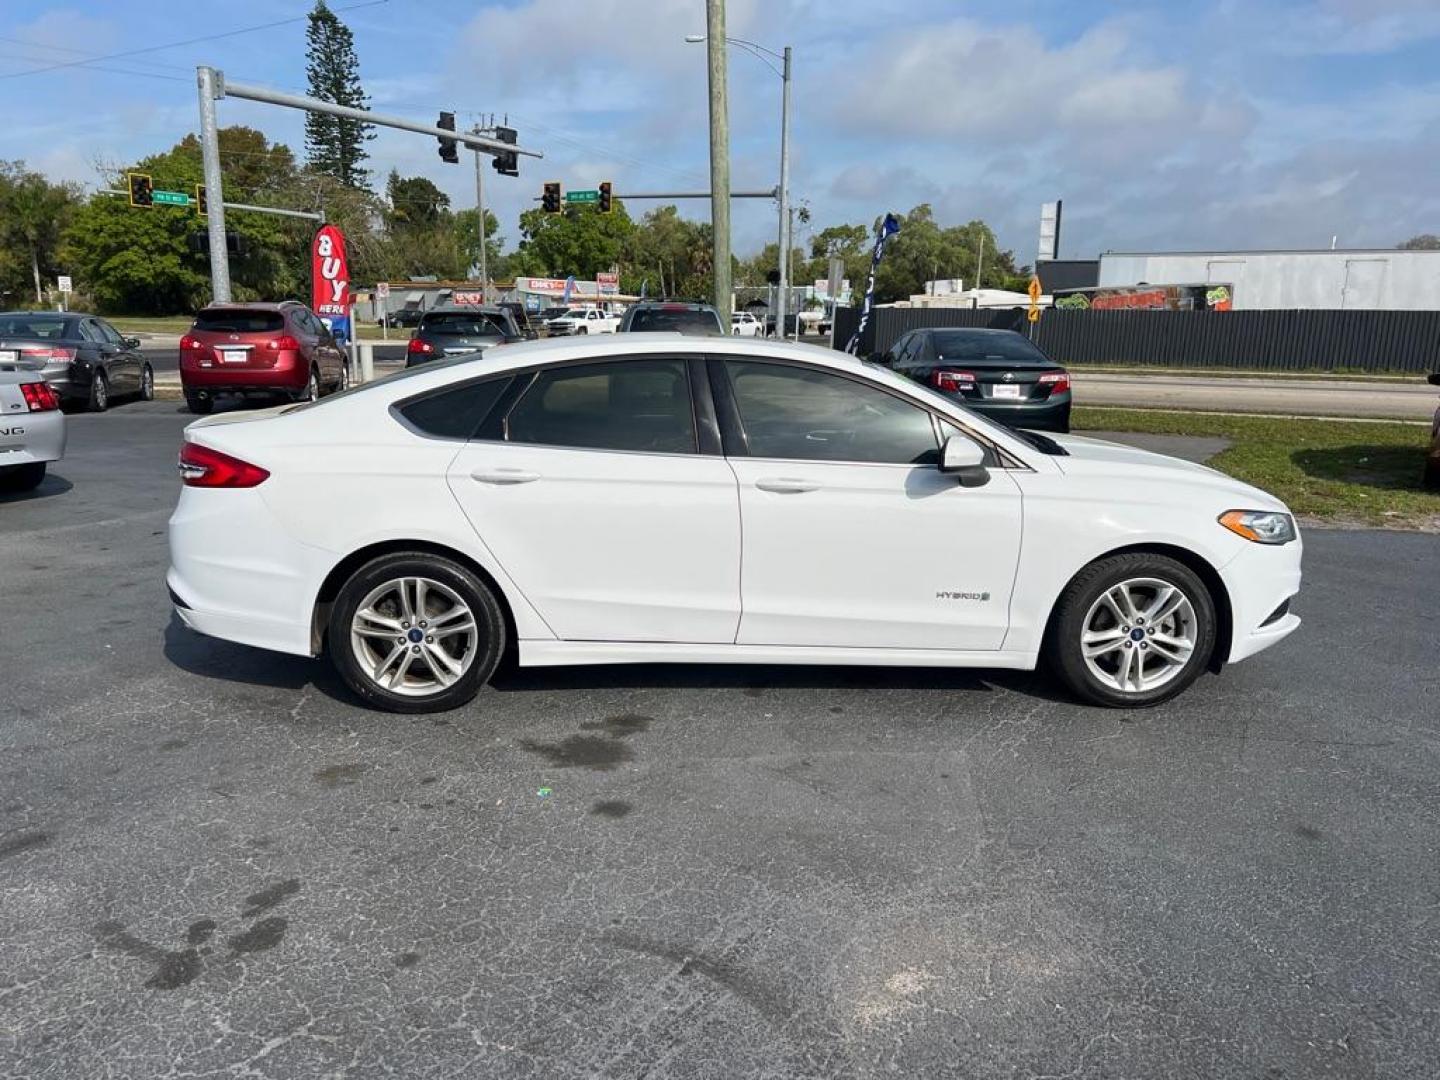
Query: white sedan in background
(743, 324)
(582, 502)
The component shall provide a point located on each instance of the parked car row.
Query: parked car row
(84, 359)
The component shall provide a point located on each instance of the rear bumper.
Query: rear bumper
(289, 374)
(1048, 415)
(29, 438)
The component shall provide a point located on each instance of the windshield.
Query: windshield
(462, 324)
(999, 348)
(239, 322)
(683, 321)
(33, 326)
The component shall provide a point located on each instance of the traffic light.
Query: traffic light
(142, 191)
(508, 163)
(447, 146)
(550, 201)
(605, 197)
(200, 204)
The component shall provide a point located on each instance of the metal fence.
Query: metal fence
(1398, 341)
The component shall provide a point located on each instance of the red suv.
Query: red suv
(250, 349)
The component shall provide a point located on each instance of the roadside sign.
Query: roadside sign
(1035, 291)
(382, 289)
(590, 196)
(1034, 315)
(63, 283)
(171, 198)
(463, 297)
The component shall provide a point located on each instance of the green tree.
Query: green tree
(333, 145)
(415, 203)
(1423, 242)
(580, 241)
(33, 214)
(143, 261)
(924, 251)
(465, 227)
(670, 253)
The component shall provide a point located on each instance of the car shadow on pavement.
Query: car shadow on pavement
(52, 485)
(213, 658)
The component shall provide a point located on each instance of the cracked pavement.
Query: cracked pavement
(214, 864)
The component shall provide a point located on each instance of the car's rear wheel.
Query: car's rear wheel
(99, 392)
(25, 477)
(147, 383)
(414, 632)
(1132, 630)
(312, 388)
(199, 404)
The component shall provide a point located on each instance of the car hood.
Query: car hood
(1085, 456)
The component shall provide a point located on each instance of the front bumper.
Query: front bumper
(1259, 581)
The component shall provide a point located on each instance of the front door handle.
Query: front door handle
(786, 485)
(504, 476)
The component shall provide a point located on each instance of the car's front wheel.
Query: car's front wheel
(414, 632)
(1132, 630)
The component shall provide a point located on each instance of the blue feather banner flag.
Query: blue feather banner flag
(888, 228)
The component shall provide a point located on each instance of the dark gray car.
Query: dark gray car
(673, 317)
(83, 358)
(452, 331)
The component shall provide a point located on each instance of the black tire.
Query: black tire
(489, 643)
(99, 399)
(312, 388)
(147, 384)
(199, 404)
(25, 477)
(1064, 649)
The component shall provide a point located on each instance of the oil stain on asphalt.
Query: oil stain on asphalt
(602, 753)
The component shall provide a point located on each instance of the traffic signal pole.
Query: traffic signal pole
(214, 86)
(214, 194)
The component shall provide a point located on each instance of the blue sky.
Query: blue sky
(1163, 125)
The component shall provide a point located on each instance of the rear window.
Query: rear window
(681, 321)
(1003, 348)
(34, 326)
(239, 322)
(462, 324)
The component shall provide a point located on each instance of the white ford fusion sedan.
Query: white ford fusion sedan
(665, 498)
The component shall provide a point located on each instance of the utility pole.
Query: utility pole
(719, 155)
(207, 79)
(783, 301)
(480, 206)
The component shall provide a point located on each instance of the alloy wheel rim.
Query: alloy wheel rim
(1139, 635)
(414, 636)
(101, 394)
(147, 384)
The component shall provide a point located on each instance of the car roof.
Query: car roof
(978, 331)
(256, 305)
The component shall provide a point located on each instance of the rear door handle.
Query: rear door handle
(786, 485)
(504, 476)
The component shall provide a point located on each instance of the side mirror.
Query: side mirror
(963, 457)
(132, 342)
(1433, 378)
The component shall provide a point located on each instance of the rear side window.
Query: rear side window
(638, 405)
(455, 412)
(239, 322)
(682, 321)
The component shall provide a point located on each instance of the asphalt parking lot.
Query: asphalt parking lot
(214, 863)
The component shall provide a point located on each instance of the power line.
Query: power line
(187, 41)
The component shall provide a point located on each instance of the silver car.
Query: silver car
(32, 428)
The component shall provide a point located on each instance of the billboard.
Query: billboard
(1213, 297)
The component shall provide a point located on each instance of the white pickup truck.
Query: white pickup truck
(583, 321)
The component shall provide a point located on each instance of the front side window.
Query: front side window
(805, 414)
(638, 405)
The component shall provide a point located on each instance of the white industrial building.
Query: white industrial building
(1375, 279)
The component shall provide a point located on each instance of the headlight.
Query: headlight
(1261, 526)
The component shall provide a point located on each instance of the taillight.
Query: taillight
(187, 342)
(46, 352)
(952, 380)
(1058, 381)
(39, 396)
(200, 466)
(418, 346)
(284, 343)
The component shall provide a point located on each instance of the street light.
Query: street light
(761, 53)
